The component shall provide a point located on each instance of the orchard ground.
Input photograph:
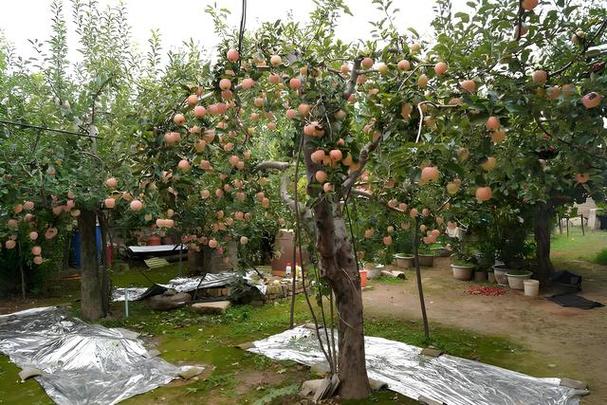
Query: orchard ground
(533, 336)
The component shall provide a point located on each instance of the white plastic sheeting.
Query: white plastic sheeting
(81, 363)
(446, 379)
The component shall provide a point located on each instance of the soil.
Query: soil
(253, 379)
(564, 342)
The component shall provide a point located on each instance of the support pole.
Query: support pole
(126, 302)
(418, 277)
(582, 223)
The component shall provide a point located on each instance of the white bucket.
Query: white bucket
(532, 288)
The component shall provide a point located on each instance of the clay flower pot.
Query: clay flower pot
(404, 261)
(462, 271)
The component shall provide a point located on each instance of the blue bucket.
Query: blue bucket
(75, 253)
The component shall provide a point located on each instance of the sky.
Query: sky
(179, 20)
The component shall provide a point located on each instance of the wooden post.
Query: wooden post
(582, 223)
(418, 277)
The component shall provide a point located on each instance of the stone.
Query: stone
(188, 372)
(29, 372)
(377, 385)
(399, 274)
(575, 384)
(245, 345)
(431, 352)
(319, 389)
(320, 369)
(167, 302)
(211, 308)
(393, 274)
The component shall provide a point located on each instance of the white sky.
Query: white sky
(179, 20)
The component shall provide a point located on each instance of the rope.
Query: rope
(59, 131)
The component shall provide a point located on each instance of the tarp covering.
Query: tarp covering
(157, 249)
(81, 363)
(446, 379)
(188, 284)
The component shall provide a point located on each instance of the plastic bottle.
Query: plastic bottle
(288, 270)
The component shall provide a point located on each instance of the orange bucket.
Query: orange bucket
(154, 240)
(363, 278)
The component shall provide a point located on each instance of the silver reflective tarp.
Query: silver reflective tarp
(446, 379)
(133, 293)
(188, 284)
(81, 363)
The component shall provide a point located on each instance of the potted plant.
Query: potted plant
(442, 247)
(426, 256)
(516, 278)
(508, 234)
(404, 260)
(462, 264)
(485, 258)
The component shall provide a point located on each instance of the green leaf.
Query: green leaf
(463, 16)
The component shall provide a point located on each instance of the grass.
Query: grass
(577, 246)
(140, 275)
(387, 280)
(601, 258)
(12, 391)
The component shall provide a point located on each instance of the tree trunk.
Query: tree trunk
(338, 267)
(91, 291)
(195, 262)
(542, 229)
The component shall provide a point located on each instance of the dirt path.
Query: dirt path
(568, 342)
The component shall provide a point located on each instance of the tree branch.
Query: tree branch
(369, 196)
(421, 114)
(353, 77)
(541, 126)
(587, 44)
(304, 212)
(363, 158)
(295, 206)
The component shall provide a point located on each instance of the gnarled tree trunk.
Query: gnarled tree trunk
(91, 280)
(542, 228)
(338, 266)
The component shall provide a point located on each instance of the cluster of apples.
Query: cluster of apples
(24, 214)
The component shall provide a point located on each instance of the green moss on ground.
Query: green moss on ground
(12, 391)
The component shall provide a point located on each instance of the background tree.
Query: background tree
(63, 174)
